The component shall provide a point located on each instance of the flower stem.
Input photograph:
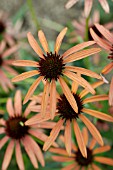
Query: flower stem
(33, 13)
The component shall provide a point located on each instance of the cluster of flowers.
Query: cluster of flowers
(57, 111)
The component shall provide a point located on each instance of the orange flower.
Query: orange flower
(17, 133)
(88, 4)
(52, 67)
(68, 116)
(107, 45)
(5, 65)
(77, 161)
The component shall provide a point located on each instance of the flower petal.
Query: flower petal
(95, 98)
(9, 107)
(53, 99)
(35, 45)
(68, 137)
(53, 135)
(59, 40)
(70, 3)
(107, 68)
(68, 94)
(87, 7)
(18, 103)
(104, 160)
(104, 5)
(81, 54)
(25, 63)
(32, 89)
(43, 41)
(80, 139)
(25, 75)
(95, 133)
(101, 149)
(111, 93)
(98, 114)
(95, 167)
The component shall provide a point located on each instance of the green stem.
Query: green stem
(87, 28)
(33, 13)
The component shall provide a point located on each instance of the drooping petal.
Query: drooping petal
(10, 70)
(94, 85)
(85, 135)
(68, 137)
(10, 51)
(74, 87)
(45, 98)
(92, 144)
(111, 93)
(68, 94)
(18, 103)
(104, 160)
(25, 75)
(81, 54)
(104, 5)
(95, 167)
(87, 7)
(53, 135)
(95, 133)
(35, 45)
(25, 63)
(53, 99)
(101, 149)
(32, 89)
(19, 158)
(80, 139)
(103, 43)
(36, 149)
(29, 152)
(43, 41)
(98, 114)
(9, 107)
(80, 80)
(3, 141)
(95, 98)
(77, 48)
(70, 3)
(8, 155)
(107, 68)
(59, 40)
(83, 71)
(58, 150)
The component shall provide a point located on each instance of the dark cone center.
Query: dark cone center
(2, 27)
(66, 111)
(15, 127)
(84, 161)
(51, 66)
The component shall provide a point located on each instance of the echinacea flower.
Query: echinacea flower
(16, 133)
(52, 67)
(88, 4)
(77, 161)
(68, 117)
(5, 65)
(107, 44)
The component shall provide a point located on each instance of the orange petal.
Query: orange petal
(18, 103)
(58, 151)
(103, 43)
(25, 63)
(9, 107)
(95, 167)
(35, 45)
(81, 54)
(92, 144)
(95, 98)
(53, 99)
(77, 48)
(98, 114)
(104, 160)
(74, 87)
(83, 71)
(53, 135)
(68, 137)
(85, 135)
(43, 41)
(107, 68)
(80, 80)
(101, 149)
(95, 133)
(111, 93)
(80, 139)
(94, 85)
(45, 98)
(32, 89)
(59, 40)
(68, 95)
(87, 7)
(25, 75)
